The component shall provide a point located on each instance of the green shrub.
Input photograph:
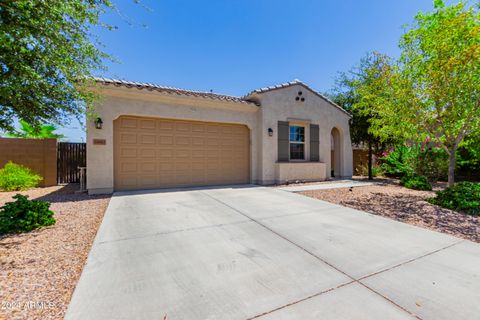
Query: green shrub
(420, 159)
(14, 177)
(431, 163)
(463, 196)
(363, 171)
(398, 162)
(468, 161)
(25, 215)
(415, 182)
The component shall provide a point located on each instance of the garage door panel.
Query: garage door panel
(182, 154)
(165, 154)
(183, 179)
(227, 130)
(128, 123)
(147, 139)
(166, 125)
(198, 141)
(128, 180)
(148, 153)
(128, 138)
(166, 140)
(213, 142)
(148, 167)
(147, 124)
(128, 152)
(162, 153)
(147, 181)
(182, 167)
(129, 167)
(198, 128)
(198, 154)
(183, 140)
(166, 167)
(213, 154)
(213, 128)
(182, 126)
(198, 177)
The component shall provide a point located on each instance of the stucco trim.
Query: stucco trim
(251, 96)
(171, 90)
(175, 99)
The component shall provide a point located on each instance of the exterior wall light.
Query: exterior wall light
(98, 123)
(270, 132)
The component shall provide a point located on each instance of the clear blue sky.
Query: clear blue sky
(234, 46)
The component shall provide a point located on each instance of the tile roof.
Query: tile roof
(292, 83)
(210, 95)
(155, 87)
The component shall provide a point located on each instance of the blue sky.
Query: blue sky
(235, 46)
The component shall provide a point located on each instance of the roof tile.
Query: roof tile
(209, 95)
(151, 87)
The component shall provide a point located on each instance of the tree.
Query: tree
(436, 93)
(28, 131)
(356, 91)
(46, 57)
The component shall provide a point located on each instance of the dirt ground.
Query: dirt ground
(39, 269)
(391, 200)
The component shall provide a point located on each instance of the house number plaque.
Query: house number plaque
(101, 142)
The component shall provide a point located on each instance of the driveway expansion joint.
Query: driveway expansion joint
(301, 300)
(354, 280)
(411, 260)
(158, 234)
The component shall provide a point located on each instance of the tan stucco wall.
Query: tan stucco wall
(40, 155)
(280, 105)
(125, 101)
(276, 105)
(301, 171)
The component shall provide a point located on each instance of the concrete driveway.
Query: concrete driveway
(250, 252)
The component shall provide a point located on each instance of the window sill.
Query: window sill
(299, 161)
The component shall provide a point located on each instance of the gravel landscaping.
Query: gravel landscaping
(391, 200)
(39, 269)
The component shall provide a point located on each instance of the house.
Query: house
(148, 136)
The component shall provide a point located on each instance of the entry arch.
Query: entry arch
(336, 154)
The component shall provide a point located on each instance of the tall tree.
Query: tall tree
(46, 56)
(356, 91)
(28, 131)
(437, 91)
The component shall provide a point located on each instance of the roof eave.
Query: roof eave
(253, 95)
(153, 87)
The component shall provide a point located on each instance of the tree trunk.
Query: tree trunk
(451, 167)
(370, 161)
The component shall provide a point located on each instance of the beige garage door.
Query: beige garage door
(161, 153)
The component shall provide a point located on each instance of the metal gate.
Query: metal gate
(70, 156)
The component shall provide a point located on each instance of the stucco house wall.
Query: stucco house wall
(118, 101)
(281, 105)
(259, 111)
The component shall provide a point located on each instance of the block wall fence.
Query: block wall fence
(40, 155)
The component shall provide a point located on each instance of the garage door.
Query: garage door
(161, 153)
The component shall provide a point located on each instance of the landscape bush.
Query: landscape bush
(468, 162)
(431, 162)
(463, 197)
(398, 162)
(15, 177)
(421, 160)
(24, 215)
(416, 182)
(363, 170)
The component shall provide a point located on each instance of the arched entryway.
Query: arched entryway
(336, 153)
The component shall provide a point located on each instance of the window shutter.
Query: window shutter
(314, 142)
(283, 141)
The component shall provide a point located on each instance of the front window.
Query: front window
(297, 143)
